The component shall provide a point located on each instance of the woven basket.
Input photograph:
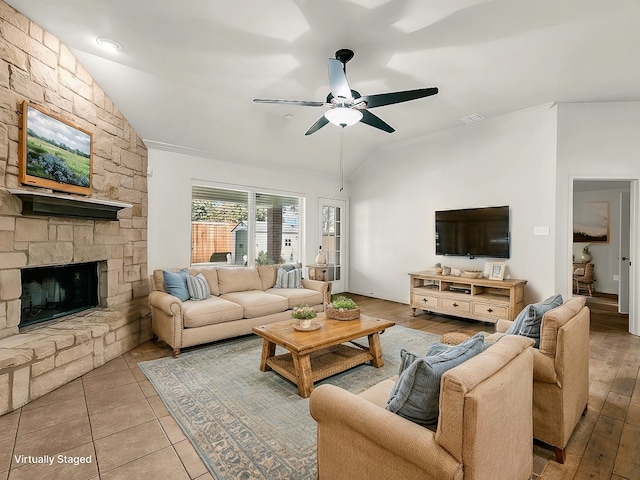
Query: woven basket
(336, 314)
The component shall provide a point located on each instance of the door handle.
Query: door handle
(625, 258)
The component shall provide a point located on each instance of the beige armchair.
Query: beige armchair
(560, 373)
(484, 428)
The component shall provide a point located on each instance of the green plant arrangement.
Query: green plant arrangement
(343, 308)
(303, 312)
(344, 303)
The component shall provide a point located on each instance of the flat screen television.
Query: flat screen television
(54, 153)
(473, 232)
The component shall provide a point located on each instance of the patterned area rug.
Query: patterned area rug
(248, 424)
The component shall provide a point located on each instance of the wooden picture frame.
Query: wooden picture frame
(54, 153)
(496, 271)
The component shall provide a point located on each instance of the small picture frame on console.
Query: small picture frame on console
(497, 271)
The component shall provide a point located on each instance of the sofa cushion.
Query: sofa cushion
(416, 394)
(198, 287)
(268, 274)
(211, 274)
(238, 279)
(528, 321)
(296, 296)
(175, 283)
(256, 303)
(210, 311)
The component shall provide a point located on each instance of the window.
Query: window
(225, 222)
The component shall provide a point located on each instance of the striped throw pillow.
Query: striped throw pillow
(198, 287)
(289, 279)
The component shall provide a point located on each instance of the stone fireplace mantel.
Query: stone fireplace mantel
(50, 204)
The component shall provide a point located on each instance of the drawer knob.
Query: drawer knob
(424, 300)
(455, 304)
(489, 310)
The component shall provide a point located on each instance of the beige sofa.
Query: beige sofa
(484, 427)
(560, 372)
(241, 298)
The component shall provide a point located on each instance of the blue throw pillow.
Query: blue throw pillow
(528, 321)
(416, 394)
(175, 283)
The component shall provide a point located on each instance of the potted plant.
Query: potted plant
(586, 254)
(304, 313)
(343, 308)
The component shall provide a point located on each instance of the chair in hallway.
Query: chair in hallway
(584, 278)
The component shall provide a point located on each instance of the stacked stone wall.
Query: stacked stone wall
(35, 66)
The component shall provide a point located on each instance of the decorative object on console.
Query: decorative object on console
(497, 271)
(54, 153)
(343, 308)
(446, 270)
(471, 273)
(321, 258)
(586, 254)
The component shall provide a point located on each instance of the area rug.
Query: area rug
(248, 424)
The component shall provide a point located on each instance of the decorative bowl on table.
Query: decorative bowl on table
(471, 273)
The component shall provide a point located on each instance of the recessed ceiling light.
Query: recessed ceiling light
(108, 44)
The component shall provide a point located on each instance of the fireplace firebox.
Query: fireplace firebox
(55, 291)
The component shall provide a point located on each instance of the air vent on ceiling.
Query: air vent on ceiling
(474, 117)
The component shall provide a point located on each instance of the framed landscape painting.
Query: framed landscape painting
(54, 153)
(591, 222)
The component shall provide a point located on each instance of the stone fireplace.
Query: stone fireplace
(35, 233)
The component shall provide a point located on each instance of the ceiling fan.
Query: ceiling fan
(347, 106)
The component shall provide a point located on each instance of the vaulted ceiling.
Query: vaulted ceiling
(188, 70)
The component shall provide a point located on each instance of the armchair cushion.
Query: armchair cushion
(527, 323)
(416, 393)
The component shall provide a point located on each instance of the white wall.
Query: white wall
(597, 141)
(508, 160)
(605, 255)
(172, 175)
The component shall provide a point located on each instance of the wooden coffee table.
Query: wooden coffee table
(320, 353)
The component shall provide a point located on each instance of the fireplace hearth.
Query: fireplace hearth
(55, 291)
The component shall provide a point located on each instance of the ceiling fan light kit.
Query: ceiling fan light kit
(347, 106)
(343, 116)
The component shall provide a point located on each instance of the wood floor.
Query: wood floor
(606, 442)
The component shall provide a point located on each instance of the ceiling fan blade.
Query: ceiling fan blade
(371, 119)
(293, 102)
(338, 80)
(382, 99)
(322, 121)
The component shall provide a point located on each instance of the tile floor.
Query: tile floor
(111, 414)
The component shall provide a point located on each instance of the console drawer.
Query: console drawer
(491, 311)
(425, 302)
(454, 305)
